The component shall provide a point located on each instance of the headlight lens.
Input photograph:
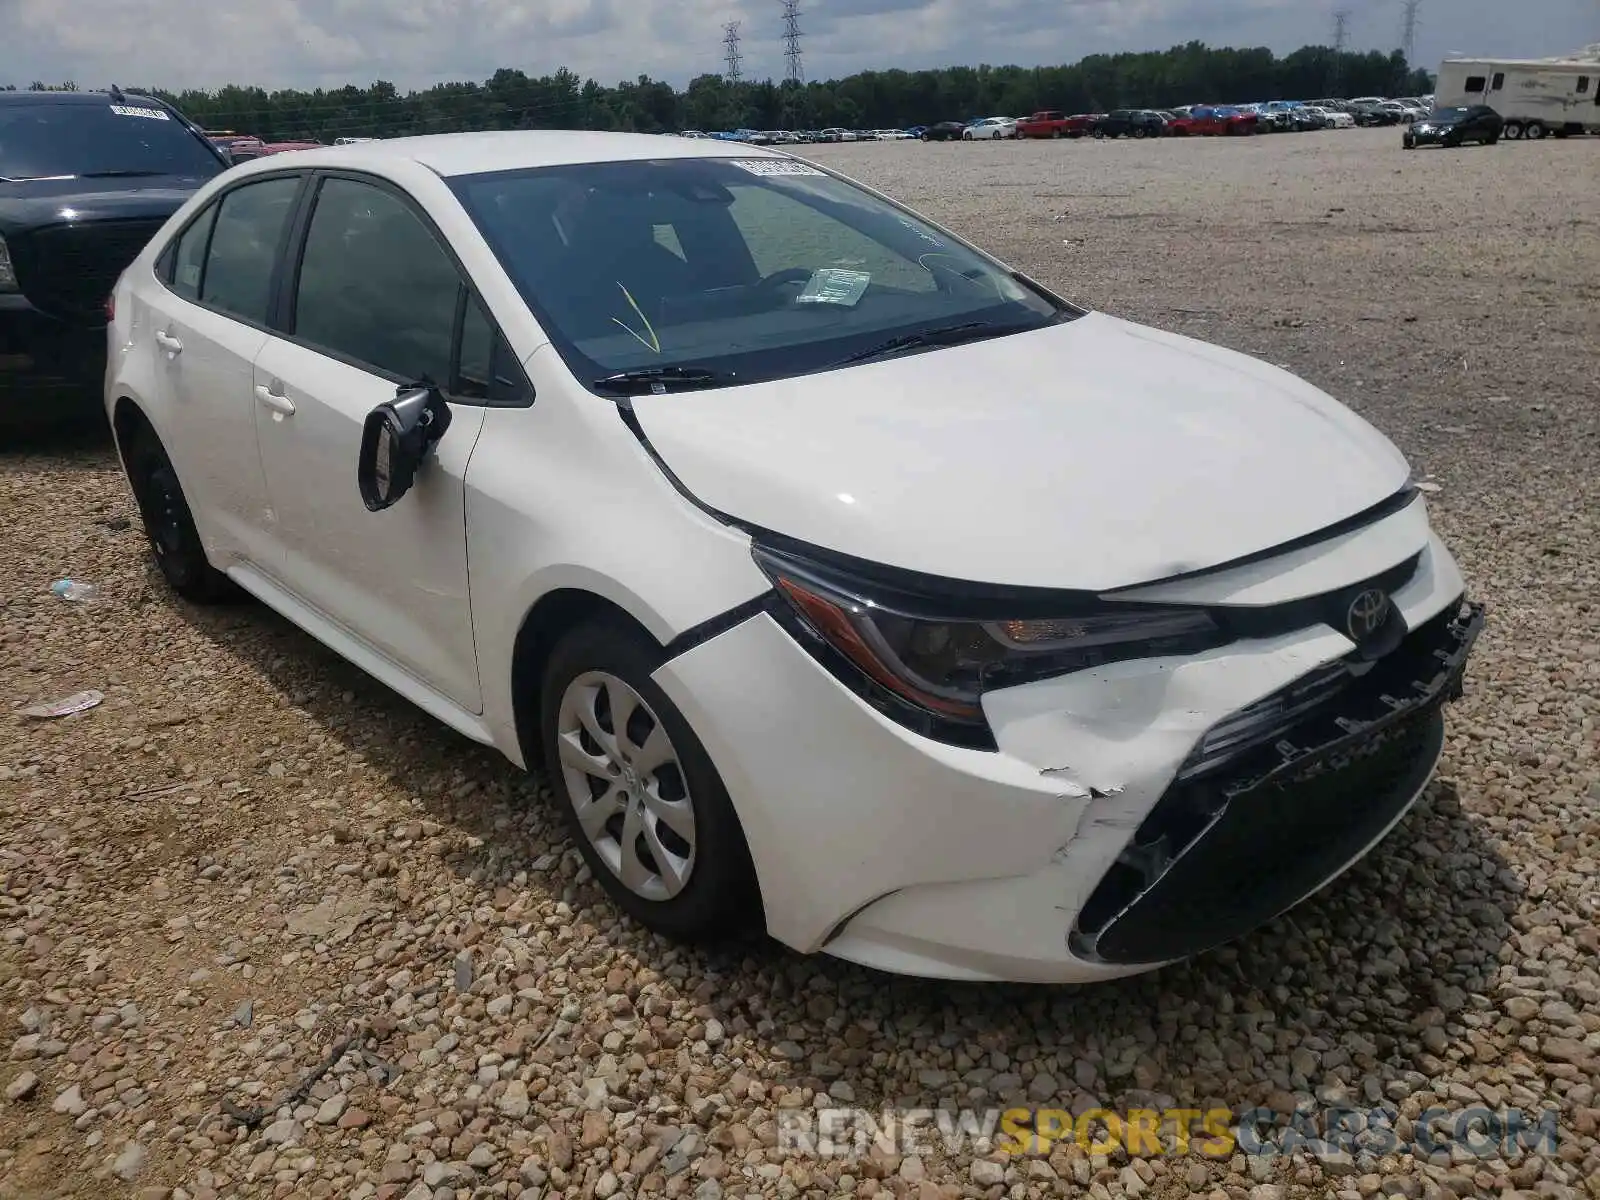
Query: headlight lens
(8, 275)
(944, 664)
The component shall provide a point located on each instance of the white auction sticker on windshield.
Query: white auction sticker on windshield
(774, 166)
(134, 110)
(834, 285)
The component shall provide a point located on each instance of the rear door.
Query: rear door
(209, 323)
(376, 302)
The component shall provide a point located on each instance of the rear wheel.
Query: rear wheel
(1512, 130)
(1533, 131)
(168, 524)
(638, 792)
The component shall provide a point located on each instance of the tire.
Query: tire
(1512, 131)
(1533, 131)
(1492, 139)
(715, 894)
(966, 137)
(1137, 131)
(175, 545)
(1055, 133)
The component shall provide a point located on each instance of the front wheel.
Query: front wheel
(169, 525)
(638, 791)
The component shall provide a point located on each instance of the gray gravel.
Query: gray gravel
(250, 851)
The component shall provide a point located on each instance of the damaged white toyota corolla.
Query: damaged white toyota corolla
(847, 582)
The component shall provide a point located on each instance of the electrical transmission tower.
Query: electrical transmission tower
(730, 51)
(1408, 32)
(794, 71)
(1341, 39)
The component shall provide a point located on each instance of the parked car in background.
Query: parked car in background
(1129, 122)
(836, 134)
(1053, 124)
(1333, 118)
(1214, 121)
(990, 129)
(266, 149)
(943, 131)
(1164, 716)
(1451, 127)
(85, 179)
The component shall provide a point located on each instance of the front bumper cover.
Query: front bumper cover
(1288, 816)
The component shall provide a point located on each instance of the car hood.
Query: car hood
(1090, 455)
(31, 203)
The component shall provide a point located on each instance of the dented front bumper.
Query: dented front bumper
(1084, 847)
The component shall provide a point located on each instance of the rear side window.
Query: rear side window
(244, 247)
(375, 286)
(1583, 84)
(189, 256)
(1499, 80)
(1474, 83)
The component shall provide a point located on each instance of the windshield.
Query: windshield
(748, 269)
(54, 139)
(1447, 114)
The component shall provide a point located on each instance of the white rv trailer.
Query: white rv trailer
(1535, 96)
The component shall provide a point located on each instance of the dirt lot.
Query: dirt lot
(250, 849)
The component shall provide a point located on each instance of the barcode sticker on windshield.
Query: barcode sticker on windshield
(834, 285)
(132, 110)
(774, 166)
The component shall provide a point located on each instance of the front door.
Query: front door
(374, 306)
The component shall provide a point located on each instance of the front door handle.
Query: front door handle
(276, 401)
(168, 343)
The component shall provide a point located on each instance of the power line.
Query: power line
(794, 70)
(730, 51)
(1408, 32)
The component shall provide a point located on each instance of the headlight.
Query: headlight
(8, 274)
(941, 655)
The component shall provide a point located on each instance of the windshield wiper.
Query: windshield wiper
(662, 379)
(944, 335)
(119, 174)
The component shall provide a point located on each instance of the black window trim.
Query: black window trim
(294, 256)
(166, 263)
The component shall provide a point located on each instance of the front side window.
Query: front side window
(1475, 83)
(375, 286)
(90, 139)
(749, 268)
(244, 247)
(1499, 80)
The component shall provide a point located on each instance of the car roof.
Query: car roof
(31, 97)
(449, 154)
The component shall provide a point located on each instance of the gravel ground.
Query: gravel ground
(250, 851)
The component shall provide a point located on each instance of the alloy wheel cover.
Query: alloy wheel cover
(623, 777)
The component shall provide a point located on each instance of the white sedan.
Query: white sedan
(1335, 118)
(843, 581)
(990, 129)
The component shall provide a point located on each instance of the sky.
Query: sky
(414, 43)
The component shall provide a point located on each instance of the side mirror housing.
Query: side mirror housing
(395, 438)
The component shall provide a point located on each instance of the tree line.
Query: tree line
(512, 99)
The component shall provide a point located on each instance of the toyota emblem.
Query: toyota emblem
(1366, 614)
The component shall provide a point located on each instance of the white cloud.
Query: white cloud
(328, 43)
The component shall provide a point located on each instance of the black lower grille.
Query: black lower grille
(1232, 847)
(69, 270)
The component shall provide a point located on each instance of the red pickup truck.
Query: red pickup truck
(1053, 124)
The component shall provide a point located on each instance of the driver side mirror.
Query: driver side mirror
(395, 439)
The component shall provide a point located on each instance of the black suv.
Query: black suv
(1130, 122)
(85, 179)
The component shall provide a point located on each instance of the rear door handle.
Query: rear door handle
(276, 401)
(168, 343)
